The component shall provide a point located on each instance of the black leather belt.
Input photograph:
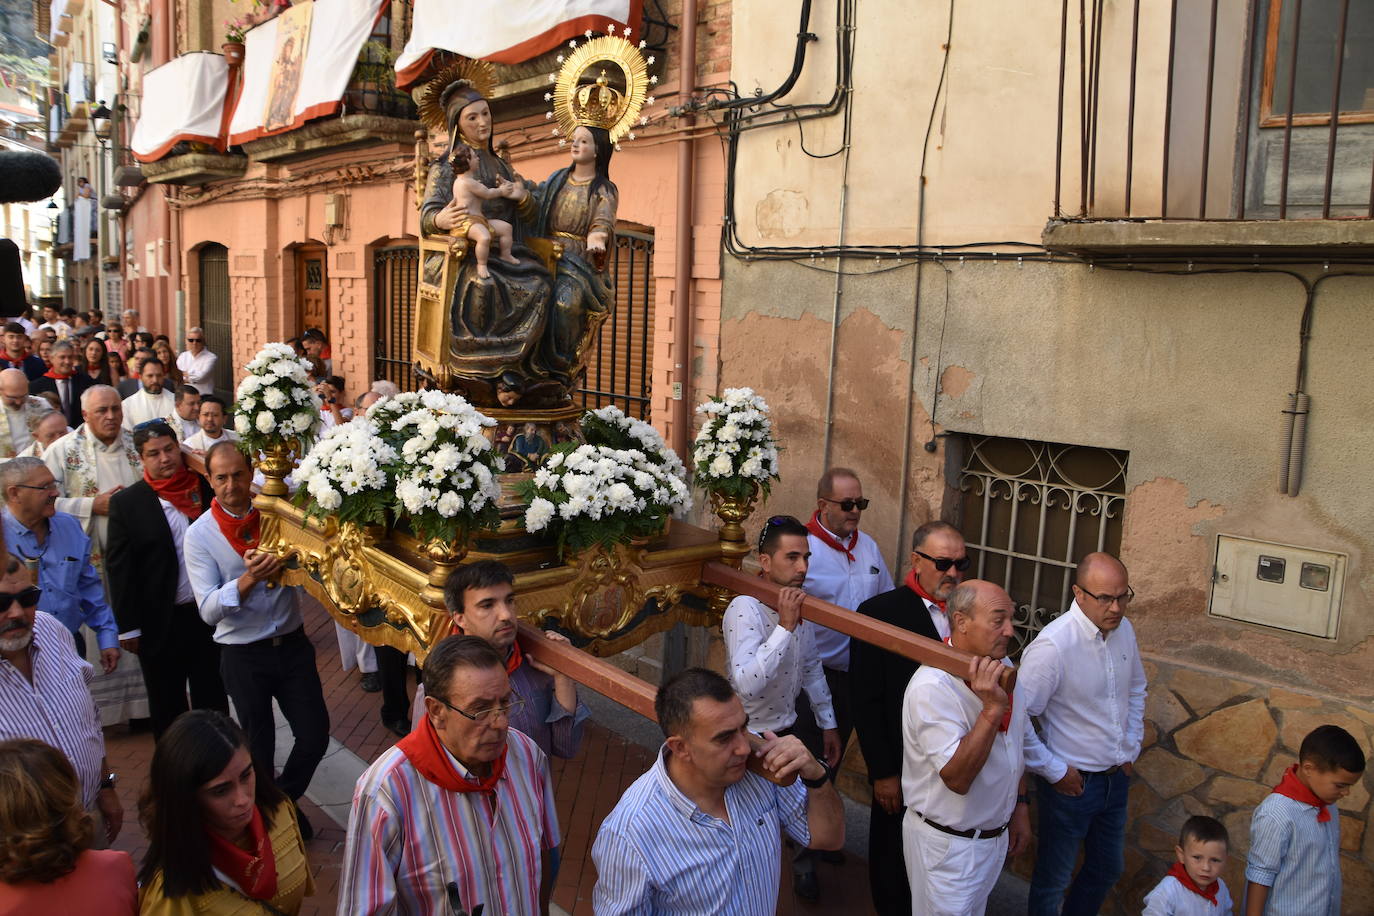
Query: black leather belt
(275, 641)
(970, 834)
(1107, 772)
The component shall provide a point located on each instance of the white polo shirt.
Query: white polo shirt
(937, 712)
(832, 577)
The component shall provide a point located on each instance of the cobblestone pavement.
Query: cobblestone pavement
(586, 789)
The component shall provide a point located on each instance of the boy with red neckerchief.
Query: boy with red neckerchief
(1295, 838)
(1193, 887)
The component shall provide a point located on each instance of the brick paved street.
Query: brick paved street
(586, 790)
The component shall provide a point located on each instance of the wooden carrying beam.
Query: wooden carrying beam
(874, 632)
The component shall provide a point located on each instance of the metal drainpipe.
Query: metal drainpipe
(682, 292)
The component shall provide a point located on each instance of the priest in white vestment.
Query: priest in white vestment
(153, 401)
(91, 463)
(22, 412)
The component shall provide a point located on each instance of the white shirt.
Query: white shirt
(939, 617)
(60, 328)
(188, 427)
(770, 665)
(1171, 898)
(214, 568)
(20, 437)
(198, 369)
(832, 577)
(1095, 719)
(140, 407)
(201, 441)
(938, 710)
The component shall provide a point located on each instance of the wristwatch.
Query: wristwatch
(109, 780)
(1023, 799)
(822, 780)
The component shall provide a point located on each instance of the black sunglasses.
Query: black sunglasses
(26, 597)
(195, 340)
(944, 563)
(848, 505)
(771, 523)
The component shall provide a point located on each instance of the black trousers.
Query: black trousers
(886, 866)
(283, 669)
(806, 728)
(391, 668)
(189, 657)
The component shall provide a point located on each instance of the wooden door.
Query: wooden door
(216, 319)
(312, 289)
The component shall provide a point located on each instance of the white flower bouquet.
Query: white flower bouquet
(345, 474)
(444, 470)
(274, 402)
(596, 495)
(735, 451)
(610, 426)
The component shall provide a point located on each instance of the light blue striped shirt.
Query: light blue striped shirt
(657, 852)
(1296, 857)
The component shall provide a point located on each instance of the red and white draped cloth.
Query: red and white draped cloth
(505, 33)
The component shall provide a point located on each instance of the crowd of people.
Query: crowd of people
(119, 555)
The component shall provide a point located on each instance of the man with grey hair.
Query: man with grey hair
(197, 363)
(52, 544)
(64, 379)
(93, 462)
(22, 412)
(50, 427)
(385, 389)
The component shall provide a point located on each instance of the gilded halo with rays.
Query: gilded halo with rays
(480, 73)
(583, 95)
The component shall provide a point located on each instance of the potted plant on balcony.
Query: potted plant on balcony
(233, 47)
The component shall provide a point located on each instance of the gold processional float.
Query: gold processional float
(511, 339)
(504, 329)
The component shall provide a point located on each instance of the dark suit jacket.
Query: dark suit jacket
(80, 382)
(878, 679)
(128, 388)
(141, 561)
(32, 365)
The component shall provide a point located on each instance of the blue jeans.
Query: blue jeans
(1096, 821)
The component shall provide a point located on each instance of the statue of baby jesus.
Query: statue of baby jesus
(469, 193)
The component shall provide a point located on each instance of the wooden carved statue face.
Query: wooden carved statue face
(474, 123)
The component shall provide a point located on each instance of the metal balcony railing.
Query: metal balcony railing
(1215, 110)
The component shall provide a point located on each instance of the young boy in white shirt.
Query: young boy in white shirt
(1193, 887)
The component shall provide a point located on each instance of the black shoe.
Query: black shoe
(399, 725)
(307, 831)
(832, 856)
(372, 682)
(806, 886)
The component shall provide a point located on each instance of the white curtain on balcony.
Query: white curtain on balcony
(76, 85)
(58, 8)
(505, 33)
(182, 100)
(337, 31)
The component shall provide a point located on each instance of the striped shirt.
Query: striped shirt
(56, 706)
(1296, 857)
(657, 852)
(408, 838)
(1171, 898)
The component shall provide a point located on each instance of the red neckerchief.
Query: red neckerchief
(829, 540)
(1006, 716)
(182, 490)
(241, 533)
(425, 752)
(513, 660)
(1292, 787)
(51, 374)
(255, 871)
(912, 583)
(1181, 874)
(15, 363)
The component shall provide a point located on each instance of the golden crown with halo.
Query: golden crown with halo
(584, 94)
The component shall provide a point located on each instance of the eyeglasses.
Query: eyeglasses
(27, 597)
(1108, 600)
(944, 563)
(507, 709)
(773, 523)
(848, 505)
(50, 485)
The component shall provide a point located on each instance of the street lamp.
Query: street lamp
(102, 124)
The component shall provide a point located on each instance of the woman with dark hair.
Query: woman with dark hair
(220, 840)
(95, 363)
(119, 371)
(46, 863)
(163, 349)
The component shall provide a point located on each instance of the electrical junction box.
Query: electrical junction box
(1278, 585)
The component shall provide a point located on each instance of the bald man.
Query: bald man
(22, 412)
(1083, 677)
(965, 747)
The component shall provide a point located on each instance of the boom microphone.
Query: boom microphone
(12, 301)
(26, 177)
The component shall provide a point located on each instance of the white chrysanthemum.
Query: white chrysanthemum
(242, 425)
(303, 421)
(274, 398)
(721, 466)
(539, 514)
(265, 422)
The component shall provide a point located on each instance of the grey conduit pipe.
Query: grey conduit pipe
(1286, 441)
(1301, 405)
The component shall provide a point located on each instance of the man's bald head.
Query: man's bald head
(14, 387)
(980, 618)
(1102, 589)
